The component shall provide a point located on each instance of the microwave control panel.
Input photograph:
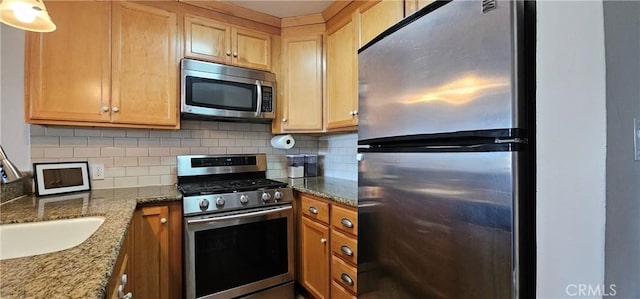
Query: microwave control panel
(267, 99)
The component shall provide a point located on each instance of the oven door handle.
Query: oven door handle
(259, 103)
(238, 216)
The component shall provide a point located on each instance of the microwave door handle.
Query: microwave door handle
(259, 109)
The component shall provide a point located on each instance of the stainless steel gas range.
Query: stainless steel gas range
(238, 228)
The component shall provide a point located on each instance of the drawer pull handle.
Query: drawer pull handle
(346, 250)
(346, 223)
(347, 279)
(124, 280)
(313, 210)
(122, 295)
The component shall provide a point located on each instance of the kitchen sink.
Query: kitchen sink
(33, 238)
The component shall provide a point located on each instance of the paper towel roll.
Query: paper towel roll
(283, 141)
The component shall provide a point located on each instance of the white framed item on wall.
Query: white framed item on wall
(61, 177)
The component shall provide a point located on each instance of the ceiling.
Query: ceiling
(283, 9)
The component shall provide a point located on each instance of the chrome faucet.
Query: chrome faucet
(8, 172)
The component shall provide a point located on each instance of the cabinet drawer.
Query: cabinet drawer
(339, 292)
(344, 219)
(345, 274)
(344, 247)
(315, 209)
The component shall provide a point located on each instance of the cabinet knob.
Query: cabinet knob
(115, 109)
(284, 120)
(313, 210)
(105, 108)
(163, 220)
(235, 54)
(352, 113)
(355, 112)
(323, 241)
(228, 53)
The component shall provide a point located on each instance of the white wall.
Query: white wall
(14, 136)
(571, 135)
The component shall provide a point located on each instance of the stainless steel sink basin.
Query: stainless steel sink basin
(33, 238)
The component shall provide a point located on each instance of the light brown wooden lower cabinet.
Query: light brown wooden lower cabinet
(157, 251)
(327, 247)
(122, 271)
(339, 292)
(315, 258)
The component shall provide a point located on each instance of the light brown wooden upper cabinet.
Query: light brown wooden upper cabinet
(411, 6)
(342, 75)
(144, 68)
(211, 40)
(376, 16)
(68, 70)
(301, 84)
(109, 64)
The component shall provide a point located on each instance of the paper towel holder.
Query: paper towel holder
(283, 141)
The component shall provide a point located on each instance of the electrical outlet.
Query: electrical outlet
(97, 171)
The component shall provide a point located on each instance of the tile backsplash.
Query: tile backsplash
(138, 157)
(338, 154)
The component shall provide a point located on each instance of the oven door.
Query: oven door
(232, 254)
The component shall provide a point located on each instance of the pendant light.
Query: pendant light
(30, 15)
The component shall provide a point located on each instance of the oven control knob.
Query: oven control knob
(244, 199)
(220, 201)
(266, 197)
(277, 196)
(204, 204)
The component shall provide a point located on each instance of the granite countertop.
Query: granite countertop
(339, 190)
(82, 271)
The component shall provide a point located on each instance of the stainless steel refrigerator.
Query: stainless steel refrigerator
(446, 207)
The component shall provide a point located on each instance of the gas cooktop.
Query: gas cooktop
(216, 187)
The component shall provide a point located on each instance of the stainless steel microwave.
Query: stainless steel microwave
(211, 90)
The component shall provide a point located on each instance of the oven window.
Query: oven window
(219, 94)
(233, 256)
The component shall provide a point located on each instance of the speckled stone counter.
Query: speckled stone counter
(339, 190)
(82, 271)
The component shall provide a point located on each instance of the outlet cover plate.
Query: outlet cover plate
(97, 171)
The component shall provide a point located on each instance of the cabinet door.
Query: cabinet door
(376, 18)
(145, 65)
(122, 267)
(207, 39)
(342, 74)
(151, 252)
(315, 258)
(68, 70)
(302, 83)
(411, 6)
(251, 49)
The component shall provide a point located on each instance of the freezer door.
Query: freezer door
(437, 225)
(450, 70)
